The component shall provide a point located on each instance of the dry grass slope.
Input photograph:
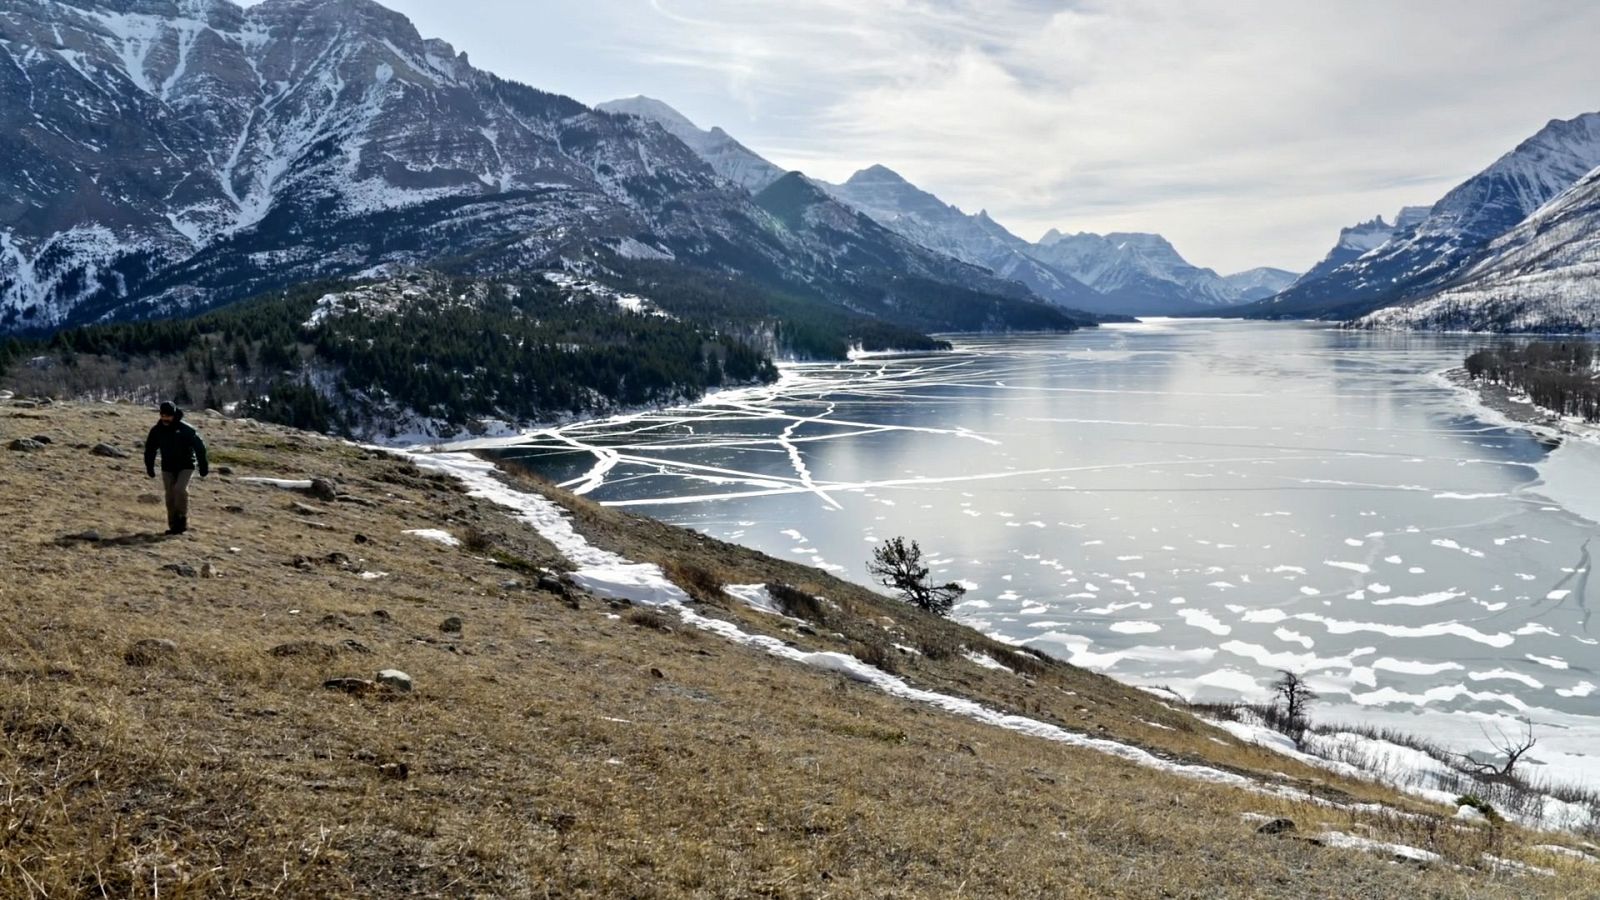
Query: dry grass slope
(556, 746)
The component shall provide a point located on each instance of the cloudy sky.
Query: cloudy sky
(1246, 131)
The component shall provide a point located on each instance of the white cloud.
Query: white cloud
(1246, 131)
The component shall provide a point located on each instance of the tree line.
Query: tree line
(1557, 375)
(453, 350)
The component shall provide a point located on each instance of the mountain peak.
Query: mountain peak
(649, 108)
(1409, 216)
(876, 174)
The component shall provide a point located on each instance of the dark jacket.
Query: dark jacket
(180, 447)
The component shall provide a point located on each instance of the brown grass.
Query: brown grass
(550, 751)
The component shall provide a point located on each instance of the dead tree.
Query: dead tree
(1512, 747)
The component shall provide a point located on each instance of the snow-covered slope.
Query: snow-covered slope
(1136, 273)
(1262, 281)
(731, 159)
(1543, 275)
(1421, 259)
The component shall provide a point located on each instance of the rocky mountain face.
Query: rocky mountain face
(164, 156)
(731, 159)
(1541, 276)
(1420, 259)
(1360, 239)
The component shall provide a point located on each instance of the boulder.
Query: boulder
(42, 439)
(1276, 826)
(323, 489)
(25, 445)
(108, 451)
(451, 625)
(396, 680)
(182, 570)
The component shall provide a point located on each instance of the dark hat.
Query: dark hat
(168, 408)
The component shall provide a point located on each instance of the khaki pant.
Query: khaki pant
(176, 485)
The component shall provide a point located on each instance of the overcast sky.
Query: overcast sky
(1246, 132)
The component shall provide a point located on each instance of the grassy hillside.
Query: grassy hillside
(172, 734)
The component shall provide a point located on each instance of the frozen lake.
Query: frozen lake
(1190, 504)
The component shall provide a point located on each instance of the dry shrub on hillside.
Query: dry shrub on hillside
(697, 581)
(476, 540)
(797, 603)
(645, 617)
(878, 655)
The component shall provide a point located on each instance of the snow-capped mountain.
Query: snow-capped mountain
(1421, 259)
(1542, 275)
(1123, 274)
(890, 200)
(1262, 281)
(1362, 238)
(158, 156)
(903, 207)
(1135, 272)
(731, 159)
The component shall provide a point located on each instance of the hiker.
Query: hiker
(182, 451)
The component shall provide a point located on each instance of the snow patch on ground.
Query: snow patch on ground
(437, 535)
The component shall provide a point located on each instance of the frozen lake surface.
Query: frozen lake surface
(1189, 504)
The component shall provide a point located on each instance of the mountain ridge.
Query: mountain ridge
(1423, 258)
(1149, 276)
(302, 139)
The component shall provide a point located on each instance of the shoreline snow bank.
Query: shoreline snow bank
(611, 575)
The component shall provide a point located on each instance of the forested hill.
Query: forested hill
(422, 354)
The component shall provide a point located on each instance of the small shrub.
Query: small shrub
(1019, 662)
(879, 656)
(868, 731)
(697, 581)
(508, 560)
(476, 540)
(1479, 804)
(645, 617)
(938, 644)
(797, 603)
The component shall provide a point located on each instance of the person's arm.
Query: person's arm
(150, 454)
(200, 460)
